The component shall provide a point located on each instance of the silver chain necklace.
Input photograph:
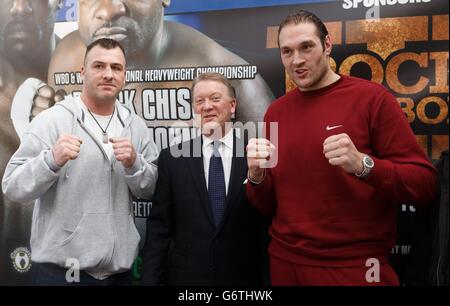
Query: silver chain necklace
(105, 137)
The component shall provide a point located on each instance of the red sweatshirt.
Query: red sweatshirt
(322, 214)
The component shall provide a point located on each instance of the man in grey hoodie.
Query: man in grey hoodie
(82, 160)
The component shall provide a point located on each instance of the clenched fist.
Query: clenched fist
(66, 148)
(44, 98)
(31, 98)
(259, 152)
(340, 151)
(124, 151)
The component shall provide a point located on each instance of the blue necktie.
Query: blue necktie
(216, 184)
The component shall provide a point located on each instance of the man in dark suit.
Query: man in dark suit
(202, 230)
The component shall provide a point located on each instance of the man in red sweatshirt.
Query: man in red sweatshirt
(346, 157)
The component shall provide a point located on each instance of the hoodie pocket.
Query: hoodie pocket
(91, 243)
(127, 243)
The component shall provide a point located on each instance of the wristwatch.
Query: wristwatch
(368, 164)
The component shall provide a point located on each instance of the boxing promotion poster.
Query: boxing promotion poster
(401, 44)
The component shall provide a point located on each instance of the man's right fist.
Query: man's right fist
(259, 152)
(66, 148)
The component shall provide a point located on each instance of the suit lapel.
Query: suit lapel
(198, 176)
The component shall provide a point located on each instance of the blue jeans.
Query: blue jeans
(48, 274)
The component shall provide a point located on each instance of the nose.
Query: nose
(208, 104)
(109, 10)
(108, 73)
(297, 59)
(21, 8)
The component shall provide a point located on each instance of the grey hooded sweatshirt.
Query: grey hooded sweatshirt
(83, 210)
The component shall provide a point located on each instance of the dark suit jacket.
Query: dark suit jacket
(182, 241)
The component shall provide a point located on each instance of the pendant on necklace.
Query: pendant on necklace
(105, 137)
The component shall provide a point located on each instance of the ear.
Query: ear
(165, 3)
(233, 106)
(82, 73)
(328, 45)
(233, 109)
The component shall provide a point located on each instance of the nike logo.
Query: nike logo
(333, 127)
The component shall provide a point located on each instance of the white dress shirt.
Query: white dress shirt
(226, 152)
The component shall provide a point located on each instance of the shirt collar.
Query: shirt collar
(227, 140)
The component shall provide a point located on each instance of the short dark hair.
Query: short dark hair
(213, 76)
(303, 16)
(106, 43)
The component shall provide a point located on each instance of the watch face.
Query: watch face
(368, 161)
